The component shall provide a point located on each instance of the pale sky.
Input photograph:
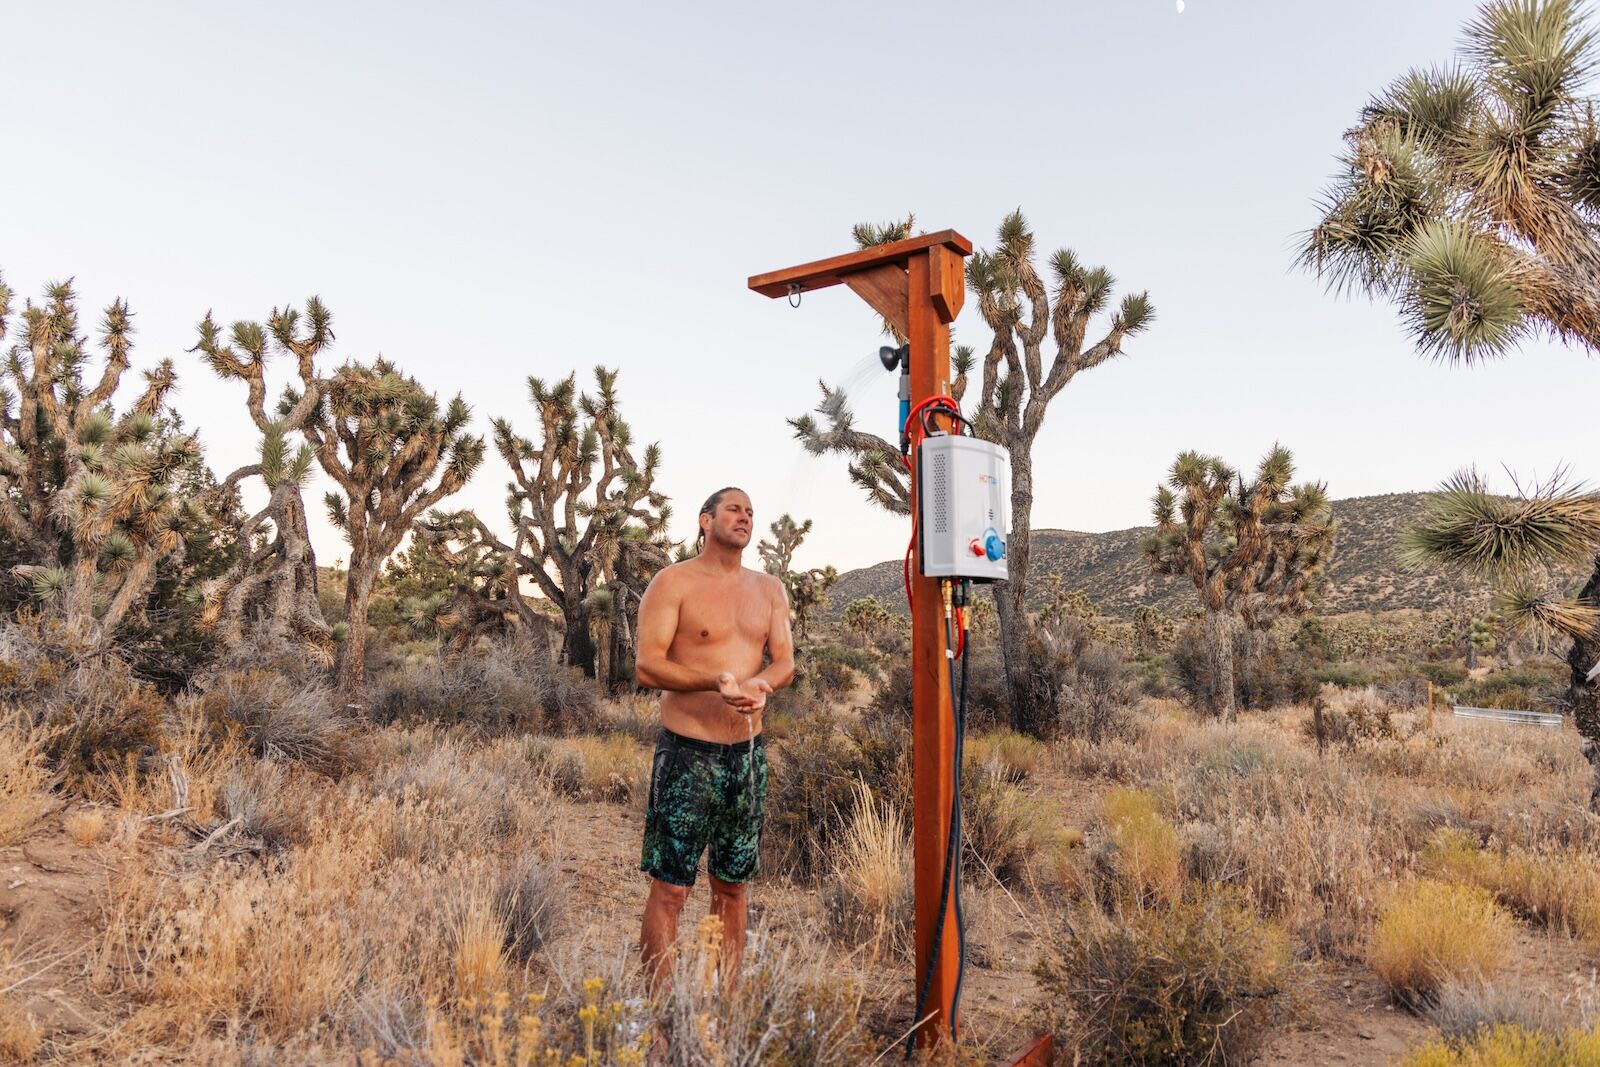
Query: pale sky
(484, 192)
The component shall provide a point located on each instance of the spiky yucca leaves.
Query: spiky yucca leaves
(1518, 542)
(387, 443)
(1026, 316)
(585, 511)
(1259, 544)
(89, 500)
(1468, 194)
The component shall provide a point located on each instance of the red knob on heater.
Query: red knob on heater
(976, 546)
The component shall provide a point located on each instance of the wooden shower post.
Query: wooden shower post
(918, 286)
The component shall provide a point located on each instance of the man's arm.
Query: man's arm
(658, 625)
(780, 643)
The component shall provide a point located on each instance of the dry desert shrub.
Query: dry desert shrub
(787, 1009)
(532, 897)
(869, 901)
(1432, 932)
(1196, 982)
(280, 717)
(1463, 1007)
(1140, 864)
(512, 685)
(634, 715)
(1510, 1046)
(25, 777)
(85, 825)
(1007, 755)
(612, 768)
(1558, 888)
(1003, 826)
(20, 1035)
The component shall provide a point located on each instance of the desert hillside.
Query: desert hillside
(1366, 573)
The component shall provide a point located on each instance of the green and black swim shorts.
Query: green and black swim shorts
(704, 796)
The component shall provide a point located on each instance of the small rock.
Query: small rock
(1347, 983)
(1366, 1035)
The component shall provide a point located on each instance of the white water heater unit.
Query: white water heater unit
(964, 508)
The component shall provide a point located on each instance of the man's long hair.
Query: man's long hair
(710, 508)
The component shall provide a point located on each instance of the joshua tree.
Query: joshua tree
(777, 554)
(1018, 384)
(1292, 570)
(1468, 196)
(1517, 542)
(87, 497)
(1220, 534)
(808, 594)
(484, 592)
(269, 595)
(585, 511)
(378, 434)
(867, 616)
(1153, 631)
(1480, 638)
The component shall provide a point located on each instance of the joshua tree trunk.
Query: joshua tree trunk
(353, 652)
(580, 645)
(1584, 695)
(1219, 647)
(1011, 605)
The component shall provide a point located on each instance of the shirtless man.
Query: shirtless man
(703, 625)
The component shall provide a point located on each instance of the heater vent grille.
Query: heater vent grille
(941, 493)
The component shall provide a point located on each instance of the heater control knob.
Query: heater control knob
(977, 548)
(993, 547)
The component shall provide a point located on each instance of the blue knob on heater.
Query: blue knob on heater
(993, 547)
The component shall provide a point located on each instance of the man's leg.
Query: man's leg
(729, 902)
(661, 910)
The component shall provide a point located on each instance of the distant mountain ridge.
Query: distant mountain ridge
(1366, 572)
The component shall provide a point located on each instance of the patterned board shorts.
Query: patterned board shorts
(704, 796)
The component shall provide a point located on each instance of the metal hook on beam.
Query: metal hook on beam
(795, 289)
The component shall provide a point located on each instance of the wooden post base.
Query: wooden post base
(1037, 1053)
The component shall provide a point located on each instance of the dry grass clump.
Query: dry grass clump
(1007, 755)
(1510, 1046)
(1002, 825)
(20, 1035)
(869, 902)
(280, 717)
(1140, 863)
(25, 778)
(1432, 932)
(614, 767)
(515, 685)
(785, 1010)
(634, 715)
(1197, 982)
(1557, 888)
(1461, 1009)
(532, 897)
(496, 1031)
(84, 825)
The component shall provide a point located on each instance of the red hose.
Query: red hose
(912, 431)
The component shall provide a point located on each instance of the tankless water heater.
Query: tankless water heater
(964, 512)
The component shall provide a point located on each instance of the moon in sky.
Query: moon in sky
(1180, 7)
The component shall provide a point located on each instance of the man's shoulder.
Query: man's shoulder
(763, 580)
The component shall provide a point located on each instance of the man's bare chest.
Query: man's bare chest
(719, 617)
